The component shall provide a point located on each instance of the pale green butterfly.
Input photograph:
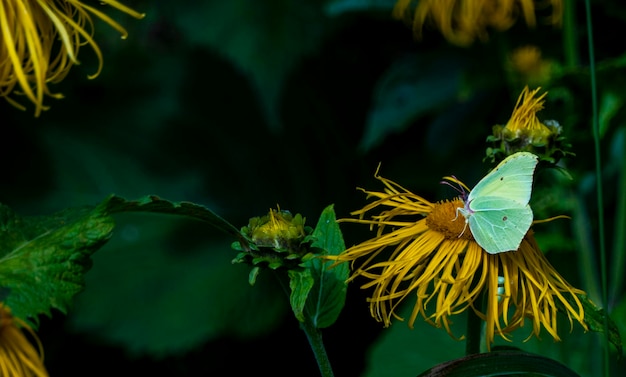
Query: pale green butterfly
(497, 207)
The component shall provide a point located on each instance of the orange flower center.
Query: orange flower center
(445, 219)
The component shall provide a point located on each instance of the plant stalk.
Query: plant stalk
(474, 330)
(314, 335)
(596, 139)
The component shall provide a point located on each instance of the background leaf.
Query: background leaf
(157, 300)
(402, 351)
(265, 42)
(339, 7)
(506, 362)
(44, 259)
(412, 87)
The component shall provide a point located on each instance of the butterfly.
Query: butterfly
(497, 207)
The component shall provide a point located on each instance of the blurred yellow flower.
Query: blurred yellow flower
(433, 261)
(18, 357)
(40, 43)
(462, 21)
(527, 65)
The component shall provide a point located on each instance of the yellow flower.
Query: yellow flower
(40, 43)
(434, 261)
(18, 357)
(525, 132)
(462, 21)
(526, 64)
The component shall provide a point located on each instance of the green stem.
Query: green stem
(314, 335)
(570, 45)
(474, 330)
(596, 139)
(619, 245)
(473, 333)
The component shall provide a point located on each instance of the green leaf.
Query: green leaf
(328, 295)
(412, 87)
(44, 259)
(619, 313)
(300, 282)
(498, 363)
(152, 203)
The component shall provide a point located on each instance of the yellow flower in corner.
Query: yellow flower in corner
(422, 254)
(462, 21)
(18, 357)
(40, 43)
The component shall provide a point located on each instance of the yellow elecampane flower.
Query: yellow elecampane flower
(524, 122)
(420, 254)
(18, 357)
(40, 42)
(524, 131)
(463, 21)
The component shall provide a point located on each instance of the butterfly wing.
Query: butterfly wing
(499, 224)
(511, 179)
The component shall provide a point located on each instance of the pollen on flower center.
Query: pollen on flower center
(445, 219)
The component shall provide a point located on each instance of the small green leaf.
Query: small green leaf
(254, 273)
(43, 259)
(328, 295)
(300, 283)
(500, 363)
(619, 313)
(594, 317)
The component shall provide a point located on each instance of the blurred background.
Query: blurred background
(241, 106)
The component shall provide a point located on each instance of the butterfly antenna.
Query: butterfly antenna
(459, 188)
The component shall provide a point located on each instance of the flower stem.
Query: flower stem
(596, 138)
(314, 335)
(570, 45)
(473, 333)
